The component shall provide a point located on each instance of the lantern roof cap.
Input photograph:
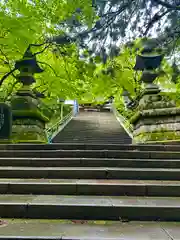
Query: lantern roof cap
(28, 61)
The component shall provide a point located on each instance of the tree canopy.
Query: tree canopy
(87, 47)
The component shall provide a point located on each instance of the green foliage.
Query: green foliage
(26, 22)
(75, 68)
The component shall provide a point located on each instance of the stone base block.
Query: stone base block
(161, 126)
(5, 141)
(168, 137)
(28, 134)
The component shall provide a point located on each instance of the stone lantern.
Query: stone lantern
(147, 62)
(28, 119)
(156, 118)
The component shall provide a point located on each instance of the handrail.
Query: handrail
(58, 126)
(123, 121)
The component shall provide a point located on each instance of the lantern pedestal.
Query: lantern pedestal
(157, 119)
(28, 120)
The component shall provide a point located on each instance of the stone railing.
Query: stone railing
(123, 121)
(58, 126)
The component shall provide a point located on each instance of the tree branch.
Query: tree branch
(155, 19)
(42, 50)
(6, 75)
(167, 5)
(37, 45)
(49, 67)
(7, 61)
(121, 9)
(109, 18)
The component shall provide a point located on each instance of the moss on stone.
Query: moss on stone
(161, 112)
(135, 117)
(30, 113)
(157, 105)
(151, 113)
(5, 141)
(28, 133)
(157, 137)
(29, 121)
(26, 106)
(29, 138)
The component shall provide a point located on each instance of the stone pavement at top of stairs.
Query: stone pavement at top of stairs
(96, 230)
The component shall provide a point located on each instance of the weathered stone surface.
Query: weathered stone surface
(91, 207)
(28, 120)
(104, 187)
(28, 134)
(155, 113)
(158, 137)
(156, 105)
(88, 230)
(106, 193)
(155, 101)
(163, 127)
(157, 119)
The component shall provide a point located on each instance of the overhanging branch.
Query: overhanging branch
(120, 9)
(167, 5)
(42, 50)
(155, 19)
(6, 75)
(49, 67)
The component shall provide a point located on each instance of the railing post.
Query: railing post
(62, 107)
(76, 108)
(58, 126)
(5, 123)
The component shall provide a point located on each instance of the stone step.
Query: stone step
(91, 173)
(90, 207)
(110, 133)
(90, 162)
(95, 132)
(91, 135)
(90, 187)
(95, 140)
(91, 154)
(35, 229)
(92, 131)
(84, 146)
(102, 140)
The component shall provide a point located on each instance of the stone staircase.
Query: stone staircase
(89, 182)
(93, 127)
(84, 190)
